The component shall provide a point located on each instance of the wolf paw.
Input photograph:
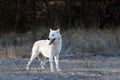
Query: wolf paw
(43, 67)
(59, 70)
(27, 68)
(52, 70)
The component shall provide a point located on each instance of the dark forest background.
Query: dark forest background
(88, 27)
(25, 15)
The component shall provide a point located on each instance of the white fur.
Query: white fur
(42, 49)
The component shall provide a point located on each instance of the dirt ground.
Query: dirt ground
(97, 68)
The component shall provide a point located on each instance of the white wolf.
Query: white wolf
(48, 48)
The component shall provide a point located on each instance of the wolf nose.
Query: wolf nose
(48, 38)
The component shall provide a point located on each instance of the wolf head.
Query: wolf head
(54, 35)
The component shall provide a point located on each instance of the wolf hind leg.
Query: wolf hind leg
(43, 61)
(33, 56)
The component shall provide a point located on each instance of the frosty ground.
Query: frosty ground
(94, 68)
(85, 55)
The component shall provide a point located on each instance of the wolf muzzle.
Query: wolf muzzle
(51, 41)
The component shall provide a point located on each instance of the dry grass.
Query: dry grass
(76, 42)
(102, 42)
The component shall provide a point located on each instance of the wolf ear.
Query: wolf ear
(50, 29)
(58, 30)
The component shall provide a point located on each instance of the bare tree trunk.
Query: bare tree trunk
(34, 26)
(50, 15)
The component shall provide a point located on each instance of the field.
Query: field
(86, 55)
(95, 68)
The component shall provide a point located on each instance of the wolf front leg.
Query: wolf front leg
(51, 63)
(57, 63)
